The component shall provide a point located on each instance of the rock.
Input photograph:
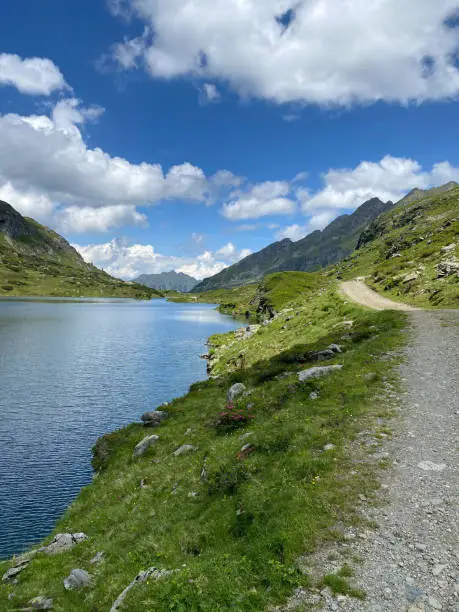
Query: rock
(185, 448)
(12, 572)
(430, 466)
(412, 276)
(434, 603)
(234, 391)
(446, 268)
(152, 573)
(335, 348)
(63, 542)
(317, 372)
(438, 569)
(329, 447)
(313, 395)
(420, 547)
(77, 579)
(154, 418)
(41, 603)
(98, 558)
(370, 377)
(322, 355)
(144, 445)
(449, 248)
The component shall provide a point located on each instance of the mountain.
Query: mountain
(168, 281)
(317, 250)
(35, 260)
(418, 194)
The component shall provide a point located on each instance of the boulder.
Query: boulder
(335, 348)
(151, 573)
(154, 418)
(144, 445)
(184, 449)
(317, 372)
(410, 277)
(77, 579)
(63, 542)
(41, 603)
(234, 391)
(446, 268)
(449, 248)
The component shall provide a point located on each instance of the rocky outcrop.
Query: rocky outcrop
(151, 573)
(317, 372)
(184, 449)
(447, 268)
(12, 572)
(144, 445)
(63, 542)
(154, 418)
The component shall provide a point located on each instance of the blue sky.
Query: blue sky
(183, 134)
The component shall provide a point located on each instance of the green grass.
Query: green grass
(235, 302)
(234, 535)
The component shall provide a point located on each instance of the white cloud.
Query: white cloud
(389, 179)
(123, 260)
(209, 94)
(34, 75)
(267, 198)
(321, 51)
(247, 227)
(317, 222)
(86, 219)
(29, 203)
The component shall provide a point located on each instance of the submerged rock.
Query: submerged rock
(154, 418)
(144, 445)
(152, 573)
(317, 372)
(234, 391)
(77, 579)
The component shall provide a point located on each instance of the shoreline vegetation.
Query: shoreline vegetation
(228, 493)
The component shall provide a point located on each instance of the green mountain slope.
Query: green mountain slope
(168, 281)
(34, 260)
(411, 253)
(318, 250)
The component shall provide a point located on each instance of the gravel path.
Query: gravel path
(357, 291)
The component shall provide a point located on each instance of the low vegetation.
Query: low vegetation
(267, 477)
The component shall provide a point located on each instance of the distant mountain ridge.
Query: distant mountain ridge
(168, 281)
(35, 260)
(317, 250)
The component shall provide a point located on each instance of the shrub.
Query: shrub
(232, 418)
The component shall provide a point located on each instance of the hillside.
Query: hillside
(411, 253)
(35, 260)
(168, 281)
(315, 251)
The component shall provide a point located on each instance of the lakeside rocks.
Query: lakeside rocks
(144, 445)
(151, 573)
(63, 542)
(77, 579)
(234, 391)
(154, 418)
(317, 372)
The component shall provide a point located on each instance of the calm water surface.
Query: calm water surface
(72, 371)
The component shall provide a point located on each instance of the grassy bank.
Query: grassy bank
(266, 480)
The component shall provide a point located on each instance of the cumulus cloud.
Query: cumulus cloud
(389, 179)
(127, 261)
(317, 222)
(322, 51)
(33, 76)
(209, 94)
(269, 198)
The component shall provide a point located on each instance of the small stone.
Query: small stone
(144, 445)
(421, 547)
(430, 466)
(438, 569)
(329, 447)
(185, 448)
(78, 578)
(41, 603)
(335, 348)
(98, 558)
(317, 372)
(387, 593)
(434, 603)
(234, 391)
(313, 395)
